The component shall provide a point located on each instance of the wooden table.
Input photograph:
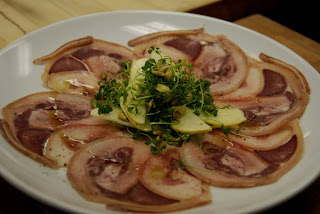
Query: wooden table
(19, 17)
(308, 201)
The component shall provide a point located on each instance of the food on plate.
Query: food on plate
(150, 129)
(214, 57)
(78, 65)
(108, 171)
(281, 99)
(227, 164)
(64, 141)
(176, 44)
(29, 121)
(263, 142)
(163, 96)
(164, 175)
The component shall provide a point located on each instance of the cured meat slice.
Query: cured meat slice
(226, 164)
(222, 62)
(107, 168)
(77, 65)
(163, 175)
(265, 115)
(281, 99)
(30, 120)
(74, 81)
(267, 78)
(66, 140)
(213, 57)
(107, 171)
(294, 70)
(249, 89)
(265, 142)
(179, 44)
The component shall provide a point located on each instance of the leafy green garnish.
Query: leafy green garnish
(111, 90)
(225, 130)
(165, 85)
(161, 142)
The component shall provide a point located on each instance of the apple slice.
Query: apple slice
(226, 116)
(190, 123)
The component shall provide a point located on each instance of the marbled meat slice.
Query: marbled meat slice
(222, 62)
(281, 99)
(107, 171)
(66, 140)
(163, 174)
(30, 120)
(177, 44)
(264, 142)
(214, 57)
(222, 163)
(249, 89)
(301, 78)
(77, 65)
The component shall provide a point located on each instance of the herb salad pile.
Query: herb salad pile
(161, 91)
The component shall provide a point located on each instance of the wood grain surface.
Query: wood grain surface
(19, 17)
(305, 47)
(306, 202)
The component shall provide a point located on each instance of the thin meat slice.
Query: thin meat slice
(29, 121)
(163, 175)
(264, 115)
(214, 57)
(107, 171)
(66, 140)
(149, 37)
(107, 168)
(267, 78)
(252, 85)
(78, 43)
(77, 65)
(298, 74)
(281, 99)
(74, 81)
(222, 62)
(107, 59)
(265, 142)
(179, 44)
(223, 163)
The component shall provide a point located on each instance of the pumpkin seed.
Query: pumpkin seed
(158, 73)
(162, 88)
(168, 75)
(178, 112)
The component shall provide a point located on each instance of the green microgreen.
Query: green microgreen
(225, 130)
(183, 87)
(111, 90)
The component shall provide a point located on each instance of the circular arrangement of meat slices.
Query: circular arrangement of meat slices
(223, 161)
(29, 121)
(106, 165)
(108, 171)
(281, 99)
(77, 65)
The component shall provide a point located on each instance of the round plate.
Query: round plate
(19, 77)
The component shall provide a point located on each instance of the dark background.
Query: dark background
(301, 16)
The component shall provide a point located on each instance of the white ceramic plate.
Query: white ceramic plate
(19, 77)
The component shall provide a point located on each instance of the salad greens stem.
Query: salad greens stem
(176, 86)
